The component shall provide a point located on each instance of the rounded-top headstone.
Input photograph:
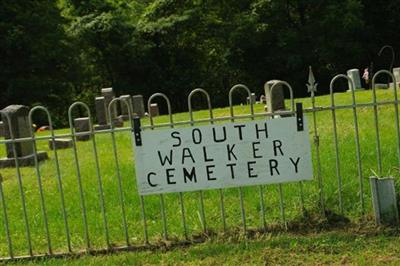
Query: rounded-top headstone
(16, 109)
(354, 75)
(276, 98)
(17, 116)
(17, 126)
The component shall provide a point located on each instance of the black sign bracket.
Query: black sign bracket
(137, 131)
(299, 117)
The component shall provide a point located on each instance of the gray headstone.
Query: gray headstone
(101, 127)
(82, 124)
(263, 99)
(251, 99)
(396, 74)
(354, 75)
(20, 129)
(60, 144)
(108, 95)
(28, 160)
(154, 110)
(381, 86)
(138, 105)
(118, 122)
(384, 200)
(2, 130)
(275, 98)
(101, 112)
(124, 108)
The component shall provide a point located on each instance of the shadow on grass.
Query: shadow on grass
(335, 225)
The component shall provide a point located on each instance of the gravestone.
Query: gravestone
(381, 86)
(154, 110)
(101, 111)
(101, 114)
(57, 144)
(384, 200)
(20, 128)
(251, 99)
(354, 75)
(275, 99)
(118, 122)
(108, 95)
(396, 74)
(82, 124)
(101, 127)
(124, 108)
(263, 99)
(2, 130)
(138, 105)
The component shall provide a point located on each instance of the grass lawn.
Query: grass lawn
(338, 246)
(279, 246)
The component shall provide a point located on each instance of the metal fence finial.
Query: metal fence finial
(311, 84)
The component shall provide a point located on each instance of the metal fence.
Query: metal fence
(134, 214)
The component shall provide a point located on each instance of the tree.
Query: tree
(288, 36)
(67, 52)
(36, 60)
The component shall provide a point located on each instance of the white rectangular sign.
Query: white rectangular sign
(221, 156)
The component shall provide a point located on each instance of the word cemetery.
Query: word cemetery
(220, 156)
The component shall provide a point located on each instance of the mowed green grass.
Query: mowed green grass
(348, 246)
(351, 193)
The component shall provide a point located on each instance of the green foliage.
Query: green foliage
(54, 53)
(36, 58)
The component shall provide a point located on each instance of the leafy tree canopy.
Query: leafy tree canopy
(54, 53)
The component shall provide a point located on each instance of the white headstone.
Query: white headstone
(354, 75)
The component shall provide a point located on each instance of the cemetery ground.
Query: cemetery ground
(348, 236)
(346, 245)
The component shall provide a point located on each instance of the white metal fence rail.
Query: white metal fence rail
(127, 239)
